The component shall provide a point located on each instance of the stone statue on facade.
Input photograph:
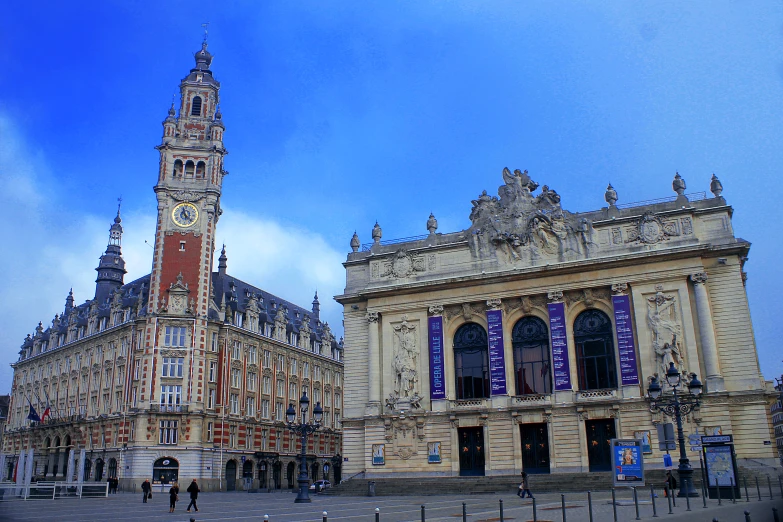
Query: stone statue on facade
(664, 325)
(520, 227)
(404, 359)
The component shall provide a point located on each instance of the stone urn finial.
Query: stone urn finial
(716, 187)
(376, 233)
(678, 185)
(432, 224)
(610, 195)
(355, 242)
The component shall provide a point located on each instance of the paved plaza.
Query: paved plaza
(281, 507)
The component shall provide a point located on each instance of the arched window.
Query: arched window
(87, 469)
(98, 470)
(470, 362)
(112, 468)
(195, 109)
(201, 169)
(595, 351)
(189, 168)
(530, 339)
(177, 168)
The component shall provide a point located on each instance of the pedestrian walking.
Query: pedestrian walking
(671, 483)
(524, 487)
(193, 490)
(146, 489)
(173, 496)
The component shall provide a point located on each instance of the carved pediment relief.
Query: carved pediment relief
(252, 368)
(236, 364)
(589, 296)
(651, 229)
(186, 196)
(173, 353)
(466, 310)
(526, 303)
(402, 264)
(267, 372)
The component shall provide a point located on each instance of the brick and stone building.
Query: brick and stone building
(527, 341)
(183, 372)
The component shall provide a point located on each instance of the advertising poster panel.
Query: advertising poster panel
(627, 462)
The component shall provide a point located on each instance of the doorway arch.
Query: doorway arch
(98, 470)
(165, 470)
(291, 473)
(231, 475)
(277, 472)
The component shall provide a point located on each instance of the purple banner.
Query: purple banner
(437, 382)
(497, 360)
(625, 344)
(557, 328)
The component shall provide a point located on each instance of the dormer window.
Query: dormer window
(195, 109)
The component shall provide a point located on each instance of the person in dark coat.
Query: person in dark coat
(671, 482)
(193, 490)
(173, 496)
(524, 487)
(146, 487)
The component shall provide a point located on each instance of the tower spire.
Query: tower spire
(111, 267)
(316, 307)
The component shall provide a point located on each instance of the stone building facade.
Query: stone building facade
(184, 372)
(527, 341)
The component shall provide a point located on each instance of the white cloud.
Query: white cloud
(51, 248)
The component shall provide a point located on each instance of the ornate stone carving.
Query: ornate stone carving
(403, 264)
(687, 226)
(617, 236)
(678, 185)
(588, 295)
(519, 226)
(610, 195)
(619, 288)
(377, 233)
(404, 362)
(493, 304)
(372, 317)
(186, 196)
(432, 224)
(173, 353)
(355, 243)
(404, 433)
(435, 310)
(716, 187)
(651, 229)
(554, 295)
(664, 324)
(699, 278)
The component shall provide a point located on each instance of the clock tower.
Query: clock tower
(188, 189)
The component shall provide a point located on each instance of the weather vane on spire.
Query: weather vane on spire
(205, 25)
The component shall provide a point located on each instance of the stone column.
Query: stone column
(709, 348)
(374, 358)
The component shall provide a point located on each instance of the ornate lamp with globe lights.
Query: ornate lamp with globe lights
(676, 405)
(304, 428)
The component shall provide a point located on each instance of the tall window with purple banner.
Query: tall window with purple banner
(626, 348)
(437, 382)
(530, 340)
(560, 366)
(471, 368)
(595, 351)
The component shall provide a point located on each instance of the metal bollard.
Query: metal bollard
(562, 506)
(324, 515)
(674, 498)
(747, 496)
(733, 495)
(501, 510)
(464, 513)
(535, 513)
(636, 502)
(590, 505)
(775, 517)
(614, 506)
(423, 518)
(377, 514)
(652, 498)
(688, 502)
(758, 489)
(669, 498)
(747, 516)
(266, 517)
(769, 483)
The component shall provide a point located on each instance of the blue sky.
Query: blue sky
(339, 114)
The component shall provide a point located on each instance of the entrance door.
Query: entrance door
(231, 475)
(291, 472)
(277, 471)
(471, 451)
(599, 443)
(535, 447)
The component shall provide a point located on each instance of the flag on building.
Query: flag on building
(33, 415)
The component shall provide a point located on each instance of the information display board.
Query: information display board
(721, 465)
(627, 462)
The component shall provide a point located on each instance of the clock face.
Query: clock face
(184, 214)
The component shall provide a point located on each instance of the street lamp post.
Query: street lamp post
(303, 428)
(676, 406)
